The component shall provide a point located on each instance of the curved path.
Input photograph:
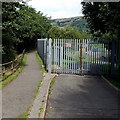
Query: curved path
(19, 94)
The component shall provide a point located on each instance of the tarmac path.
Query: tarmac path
(75, 96)
(19, 94)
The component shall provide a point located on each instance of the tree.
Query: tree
(9, 17)
(104, 20)
(66, 32)
(22, 26)
(102, 17)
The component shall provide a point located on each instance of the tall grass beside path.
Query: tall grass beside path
(41, 63)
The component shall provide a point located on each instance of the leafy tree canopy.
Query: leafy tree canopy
(22, 26)
(103, 18)
(66, 32)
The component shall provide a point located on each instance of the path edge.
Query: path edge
(111, 85)
(42, 114)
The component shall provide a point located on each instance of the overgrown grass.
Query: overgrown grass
(41, 63)
(115, 83)
(14, 75)
(113, 80)
(42, 70)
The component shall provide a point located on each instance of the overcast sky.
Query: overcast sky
(58, 8)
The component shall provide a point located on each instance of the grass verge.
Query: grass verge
(42, 70)
(14, 75)
(41, 63)
(114, 82)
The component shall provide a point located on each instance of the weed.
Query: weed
(51, 85)
(26, 114)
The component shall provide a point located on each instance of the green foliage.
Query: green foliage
(24, 115)
(77, 22)
(41, 63)
(114, 81)
(22, 26)
(103, 17)
(66, 32)
(9, 15)
(42, 70)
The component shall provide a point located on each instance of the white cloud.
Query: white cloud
(57, 8)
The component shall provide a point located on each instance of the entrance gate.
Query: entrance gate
(74, 56)
(66, 56)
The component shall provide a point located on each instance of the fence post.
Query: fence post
(61, 56)
(81, 57)
(50, 56)
(45, 51)
(113, 58)
(12, 67)
(3, 71)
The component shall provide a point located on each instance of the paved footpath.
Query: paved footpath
(39, 104)
(19, 94)
(76, 96)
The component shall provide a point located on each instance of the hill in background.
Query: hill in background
(78, 22)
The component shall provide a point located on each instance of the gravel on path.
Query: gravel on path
(19, 94)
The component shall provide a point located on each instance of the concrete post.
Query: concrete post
(50, 56)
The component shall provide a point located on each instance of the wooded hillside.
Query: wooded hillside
(78, 22)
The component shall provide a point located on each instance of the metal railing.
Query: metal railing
(9, 68)
(75, 56)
